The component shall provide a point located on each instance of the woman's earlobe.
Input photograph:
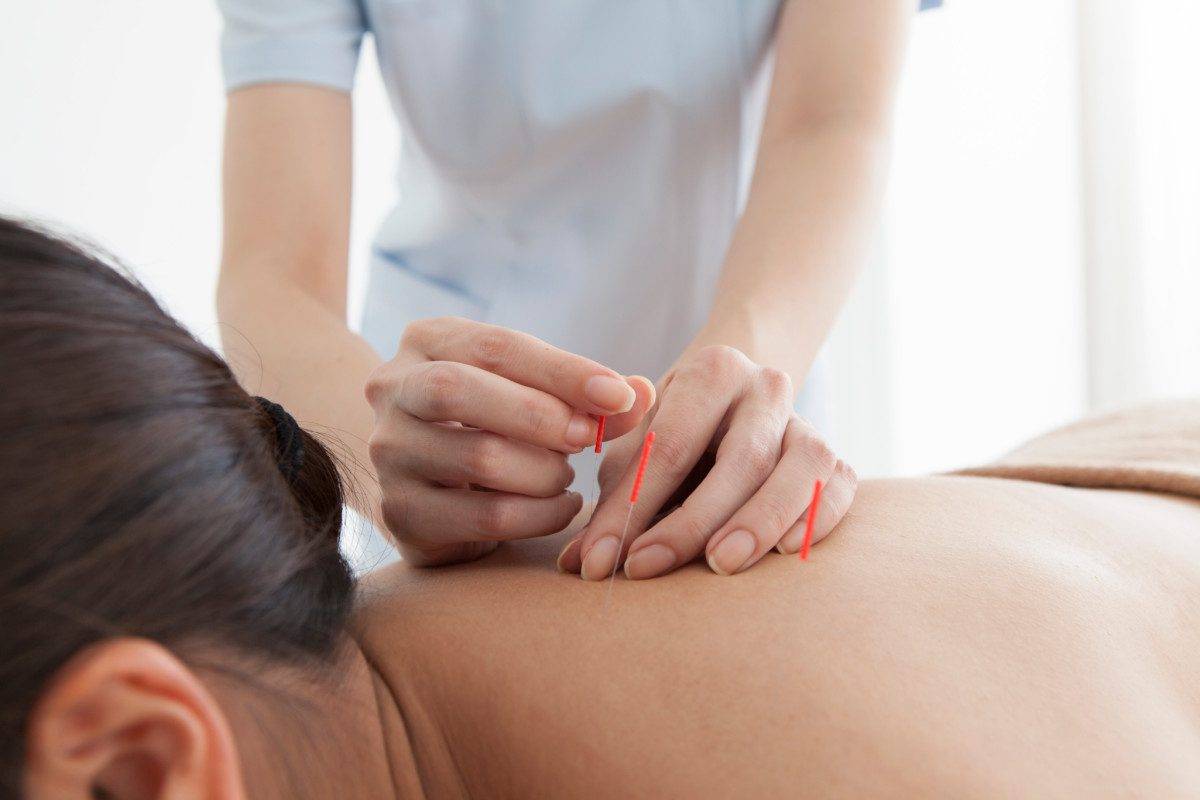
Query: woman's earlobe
(125, 719)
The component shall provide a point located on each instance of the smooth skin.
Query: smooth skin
(958, 637)
(728, 398)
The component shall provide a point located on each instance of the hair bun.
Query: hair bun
(308, 469)
(289, 438)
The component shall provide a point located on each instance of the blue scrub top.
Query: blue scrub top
(569, 168)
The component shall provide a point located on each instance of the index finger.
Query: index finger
(684, 425)
(578, 381)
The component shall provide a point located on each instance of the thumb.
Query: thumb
(620, 424)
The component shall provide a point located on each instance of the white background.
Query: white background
(1038, 257)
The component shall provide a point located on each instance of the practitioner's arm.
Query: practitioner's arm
(282, 291)
(794, 255)
(522, 404)
(817, 181)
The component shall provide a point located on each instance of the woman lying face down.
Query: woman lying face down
(178, 622)
(153, 554)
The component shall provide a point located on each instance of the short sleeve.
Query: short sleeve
(926, 5)
(303, 41)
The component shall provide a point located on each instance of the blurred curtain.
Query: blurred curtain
(966, 333)
(1140, 131)
(1040, 253)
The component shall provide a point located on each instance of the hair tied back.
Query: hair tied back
(289, 439)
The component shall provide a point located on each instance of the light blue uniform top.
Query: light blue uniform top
(570, 168)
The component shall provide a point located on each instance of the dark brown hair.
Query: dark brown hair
(139, 489)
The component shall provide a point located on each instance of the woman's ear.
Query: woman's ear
(125, 719)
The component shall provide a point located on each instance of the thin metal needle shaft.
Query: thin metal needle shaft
(612, 578)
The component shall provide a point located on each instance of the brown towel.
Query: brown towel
(1154, 448)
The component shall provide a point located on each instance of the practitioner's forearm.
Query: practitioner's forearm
(798, 247)
(817, 180)
(281, 297)
(287, 345)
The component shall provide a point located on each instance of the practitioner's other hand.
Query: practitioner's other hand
(731, 475)
(473, 424)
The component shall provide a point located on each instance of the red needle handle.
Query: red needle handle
(637, 481)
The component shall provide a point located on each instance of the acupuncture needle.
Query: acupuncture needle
(647, 446)
(813, 507)
(594, 490)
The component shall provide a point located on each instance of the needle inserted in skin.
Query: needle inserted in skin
(633, 496)
(612, 578)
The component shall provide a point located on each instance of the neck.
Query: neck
(346, 734)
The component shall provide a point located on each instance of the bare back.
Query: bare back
(956, 636)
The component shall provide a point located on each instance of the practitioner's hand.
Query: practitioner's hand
(731, 475)
(473, 424)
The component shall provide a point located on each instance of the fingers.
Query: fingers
(428, 517)
(747, 462)
(445, 391)
(618, 425)
(457, 456)
(686, 422)
(570, 560)
(614, 526)
(785, 494)
(773, 511)
(836, 497)
(577, 381)
(465, 404)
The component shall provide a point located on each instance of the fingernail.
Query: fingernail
(649, 562)
(580, 431)
(732, 553)
(612, 394)
(598, 563)
(789, 545)
(568, 558)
